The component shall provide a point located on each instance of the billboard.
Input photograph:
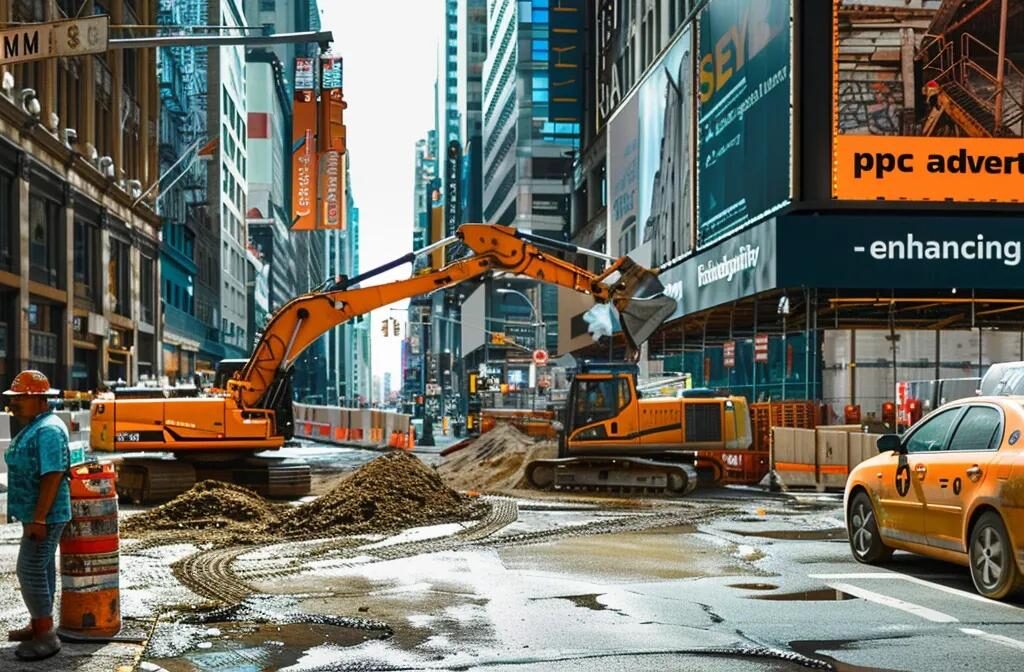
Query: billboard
(332, 105)
(650, 149)
(744, 118)
(906, 252)
(928, 101)
(304, 154)
(742, 266)
(332, 190)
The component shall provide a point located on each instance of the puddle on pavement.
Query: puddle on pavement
(244, 647)
(821, 595)
(665, 553)
(753, 586)
(794, 535)
(583, 601)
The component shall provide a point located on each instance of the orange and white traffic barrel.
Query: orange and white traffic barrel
(90, 604)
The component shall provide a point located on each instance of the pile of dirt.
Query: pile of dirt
(496, 461)
(391, 493)
(208, 504)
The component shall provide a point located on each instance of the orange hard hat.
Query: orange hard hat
(30, 382)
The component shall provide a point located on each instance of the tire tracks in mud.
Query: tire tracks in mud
(212, 573)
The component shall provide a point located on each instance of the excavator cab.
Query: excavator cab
(602, 410)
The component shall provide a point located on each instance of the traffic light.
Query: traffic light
(394, 327)
(384, 327)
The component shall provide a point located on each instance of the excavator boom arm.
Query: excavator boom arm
(495, 248)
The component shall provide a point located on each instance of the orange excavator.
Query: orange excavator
(218, 436)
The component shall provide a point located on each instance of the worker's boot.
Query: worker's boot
(21, 634)
(43, 644)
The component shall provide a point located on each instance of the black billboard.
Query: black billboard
(901, 252)
(744, 134)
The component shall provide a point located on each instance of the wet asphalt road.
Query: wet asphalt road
(770, 586)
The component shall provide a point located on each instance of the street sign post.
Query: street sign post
(36, 41)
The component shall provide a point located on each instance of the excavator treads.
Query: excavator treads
(143, 481)
(149, 481)
(613, 474)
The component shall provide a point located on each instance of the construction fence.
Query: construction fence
(353, 426)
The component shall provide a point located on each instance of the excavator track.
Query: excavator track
(150, 481)
(629, 475)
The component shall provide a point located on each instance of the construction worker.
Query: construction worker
(38, 495)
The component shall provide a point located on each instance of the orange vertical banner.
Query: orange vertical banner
(305, 158)
(332, 164)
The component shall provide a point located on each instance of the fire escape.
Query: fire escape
(966, 82)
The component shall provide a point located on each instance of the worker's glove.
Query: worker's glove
(599, 321)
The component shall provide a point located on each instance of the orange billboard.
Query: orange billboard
(305, 159)
(332, 105)
(928, 169)
(927, 104)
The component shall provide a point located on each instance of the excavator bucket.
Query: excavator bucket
(643, 305)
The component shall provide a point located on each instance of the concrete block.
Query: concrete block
(833, 456)
(793, 456)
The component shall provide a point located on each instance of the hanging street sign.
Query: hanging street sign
(36, 41)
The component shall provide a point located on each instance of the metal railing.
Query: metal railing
(946, 66)
(1013, 109)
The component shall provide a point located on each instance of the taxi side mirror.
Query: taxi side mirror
(890, 442)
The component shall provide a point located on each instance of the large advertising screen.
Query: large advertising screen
(928, 101)
(744, 132)
(650, 165)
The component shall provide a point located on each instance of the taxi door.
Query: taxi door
(901, 480)
(953, 477)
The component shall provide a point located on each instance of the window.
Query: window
(45, 241)
(120, 276)
(979, 430)
(86, 260)
(104, 117)
(147, 280)
(595, 401)
(268, 5)
(931, 435)
(540, 16)
(8, 222)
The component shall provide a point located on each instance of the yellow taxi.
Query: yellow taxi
(951, 488)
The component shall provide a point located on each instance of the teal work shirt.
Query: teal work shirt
(38, 449)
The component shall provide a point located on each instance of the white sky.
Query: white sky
(390, 52)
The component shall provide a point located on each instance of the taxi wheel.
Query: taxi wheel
(993, 567)
(865, 541)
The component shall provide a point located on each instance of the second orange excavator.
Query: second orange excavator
(219, 435)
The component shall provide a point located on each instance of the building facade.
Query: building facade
(79, 248)
(181, 200)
